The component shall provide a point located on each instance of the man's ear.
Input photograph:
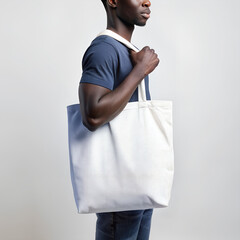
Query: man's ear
(112, 3)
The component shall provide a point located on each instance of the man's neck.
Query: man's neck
(121, 29)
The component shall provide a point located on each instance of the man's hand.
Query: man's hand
(145, 61)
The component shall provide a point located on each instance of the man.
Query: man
(111, 74)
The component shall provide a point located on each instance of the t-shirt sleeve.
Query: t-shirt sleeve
(99, 65)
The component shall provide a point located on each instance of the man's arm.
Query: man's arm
(99, 105)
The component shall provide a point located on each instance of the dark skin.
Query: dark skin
(100, 105)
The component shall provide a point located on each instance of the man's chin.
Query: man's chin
(142, 24)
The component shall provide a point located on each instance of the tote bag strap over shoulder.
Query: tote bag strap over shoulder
(141, 86)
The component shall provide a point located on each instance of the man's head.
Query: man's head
(130, 12)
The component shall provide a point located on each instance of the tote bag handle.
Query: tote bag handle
(141, 86)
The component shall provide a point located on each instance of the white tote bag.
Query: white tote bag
(126, 164)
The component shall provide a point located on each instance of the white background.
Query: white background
(42, 43)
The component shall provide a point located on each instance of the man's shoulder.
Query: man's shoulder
(105, 48)
(106, 43)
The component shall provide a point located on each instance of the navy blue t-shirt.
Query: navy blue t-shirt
(107, 63)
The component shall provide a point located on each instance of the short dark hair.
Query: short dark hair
(104, 2)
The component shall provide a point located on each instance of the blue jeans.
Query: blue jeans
(125, 225)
